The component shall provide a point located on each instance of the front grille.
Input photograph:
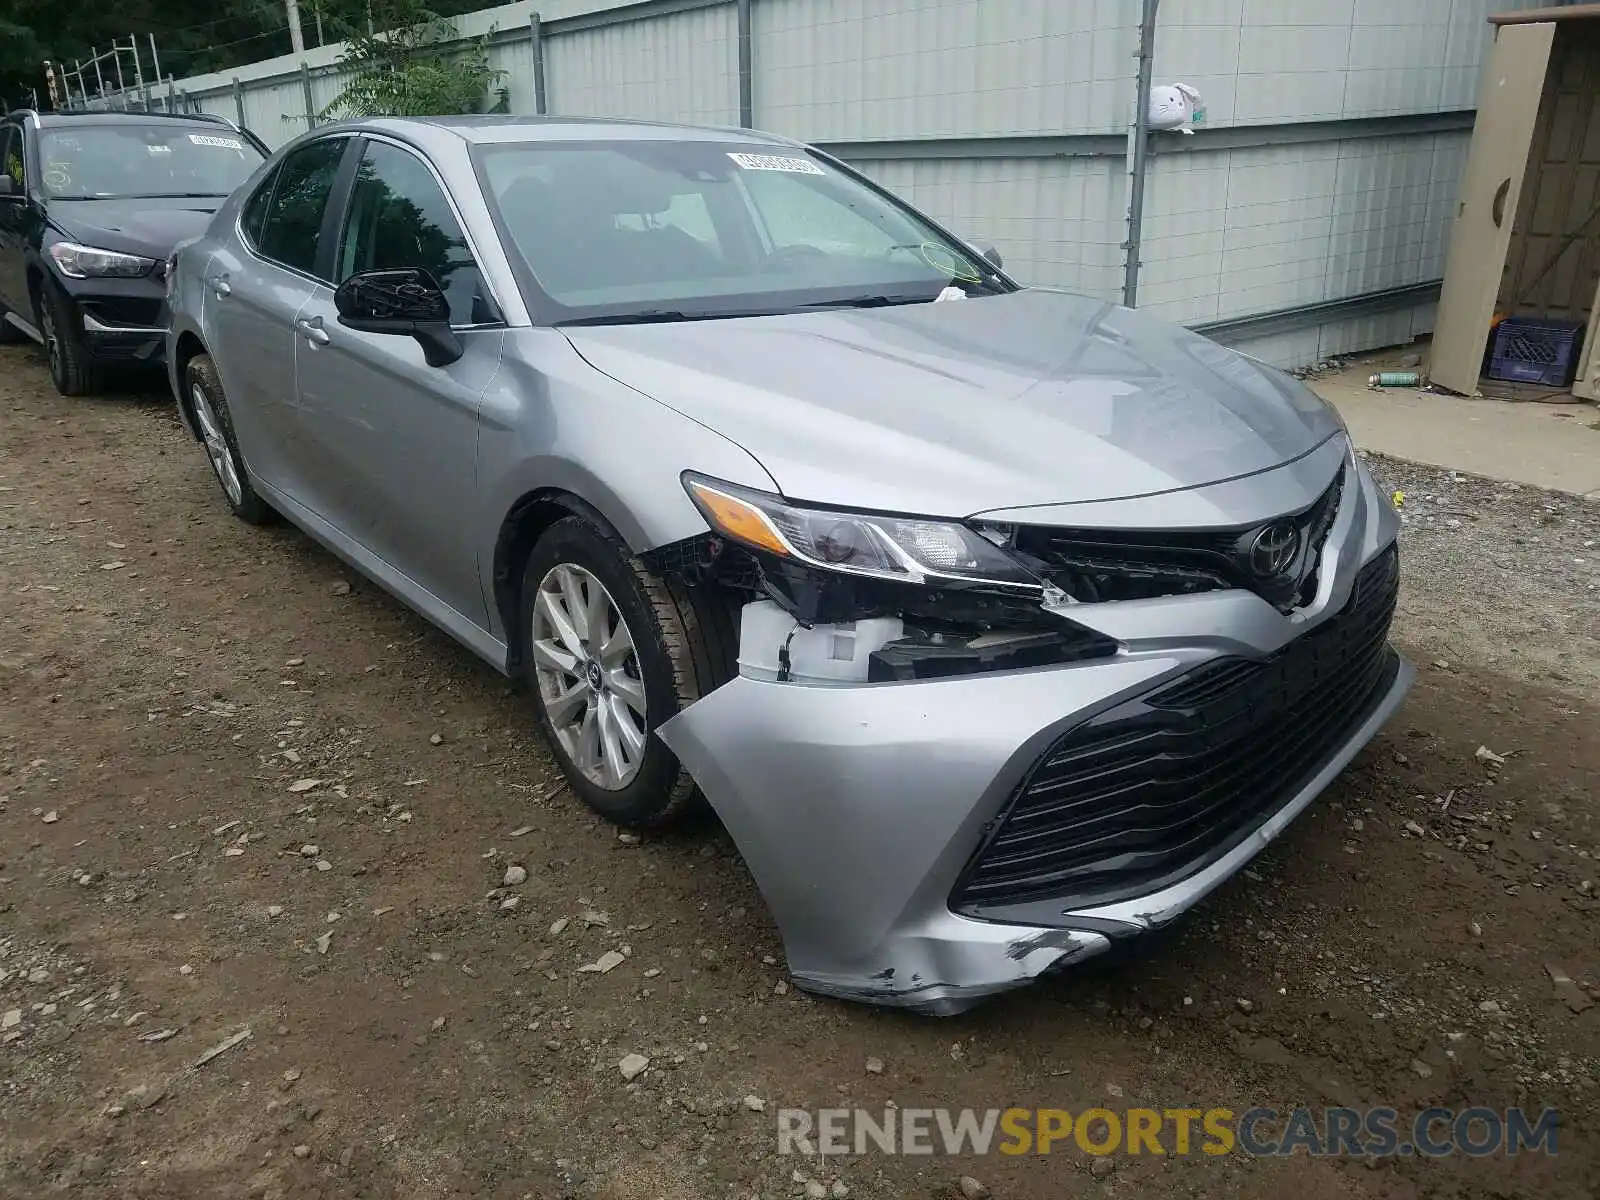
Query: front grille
(1096, 565)
(1153, 789)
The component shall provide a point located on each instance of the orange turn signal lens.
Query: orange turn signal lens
(738, 519)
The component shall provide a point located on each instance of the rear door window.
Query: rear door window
(255, 210)
(291, 225)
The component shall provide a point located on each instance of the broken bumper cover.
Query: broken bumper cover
(857, 810)
(865, 811)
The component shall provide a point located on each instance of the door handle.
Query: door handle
(220, 286)
(313, 331)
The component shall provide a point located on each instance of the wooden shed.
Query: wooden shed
(1526, 238)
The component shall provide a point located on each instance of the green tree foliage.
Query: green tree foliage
(410, 64)
(192, 36)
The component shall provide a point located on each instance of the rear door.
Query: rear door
(392, 441)
(1508, 106)
(257, 282)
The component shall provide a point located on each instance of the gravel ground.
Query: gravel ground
(260, 935)
(1500, 574)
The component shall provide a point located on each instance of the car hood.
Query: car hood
(147, 227)
(1033, 398)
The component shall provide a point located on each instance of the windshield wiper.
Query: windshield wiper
(652, 316)
(864, 302)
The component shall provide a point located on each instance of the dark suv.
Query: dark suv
(91, 205)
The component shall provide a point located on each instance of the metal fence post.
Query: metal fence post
(1139, 156)
(747, 103)
(305, 88)
(138, 67)
(536, 34)
(238, 101)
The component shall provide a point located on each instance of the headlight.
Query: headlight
(86, 262)
(905, 549)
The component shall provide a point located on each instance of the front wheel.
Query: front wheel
(613, 651)
(72, 369)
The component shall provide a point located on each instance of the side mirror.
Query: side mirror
(407, 302)
(987, 251)
(9, 189)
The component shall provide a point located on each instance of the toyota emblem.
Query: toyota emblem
(1274, 549)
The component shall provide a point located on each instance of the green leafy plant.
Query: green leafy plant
(417, 66)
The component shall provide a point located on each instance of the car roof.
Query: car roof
(491, 128)
(76, 120)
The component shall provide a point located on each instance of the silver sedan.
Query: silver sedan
(995, 623)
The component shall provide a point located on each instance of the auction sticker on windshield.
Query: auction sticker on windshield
(205, 139)
(776, 162)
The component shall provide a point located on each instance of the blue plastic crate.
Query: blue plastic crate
(1530, 350)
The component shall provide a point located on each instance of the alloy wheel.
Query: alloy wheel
(588, 675)
(217, 446)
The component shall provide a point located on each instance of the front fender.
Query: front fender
(552, 423)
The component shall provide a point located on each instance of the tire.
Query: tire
(208, 405)
(72, 369)
(681, 649)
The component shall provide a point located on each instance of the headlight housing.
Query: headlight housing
(89, 262)
(903, 549)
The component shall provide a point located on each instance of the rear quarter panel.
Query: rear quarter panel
(186, 310)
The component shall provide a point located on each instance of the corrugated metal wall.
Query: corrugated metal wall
(1057, 221)
(1262, 61)
(1266, 228)
(843, 70)
(672, 68)
(1259, 229)
(1006, 119)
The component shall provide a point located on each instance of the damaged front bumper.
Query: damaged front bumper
(858, 808)
(882, 821)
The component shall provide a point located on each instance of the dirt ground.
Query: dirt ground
(169, 881)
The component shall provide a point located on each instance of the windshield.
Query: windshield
(656, 230)
(104, 162)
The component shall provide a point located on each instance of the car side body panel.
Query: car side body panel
(387, 445)
(551, 423)
(249, 330)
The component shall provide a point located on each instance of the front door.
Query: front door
(1508, 106)
(391, 439)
